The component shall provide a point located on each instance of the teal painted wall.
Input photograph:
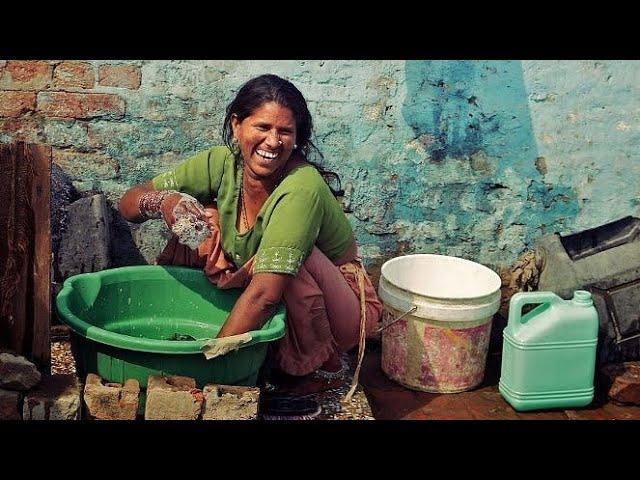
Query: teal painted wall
(469, 158)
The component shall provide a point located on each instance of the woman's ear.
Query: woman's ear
(235, 122)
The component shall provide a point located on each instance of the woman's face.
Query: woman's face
(266, 138)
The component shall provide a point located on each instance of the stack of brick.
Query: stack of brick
(27, 394)
(177, 398)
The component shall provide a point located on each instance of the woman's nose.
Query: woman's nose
(273, 140)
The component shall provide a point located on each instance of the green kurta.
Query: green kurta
(300, 213)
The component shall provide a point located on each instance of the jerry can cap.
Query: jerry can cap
(582, 297)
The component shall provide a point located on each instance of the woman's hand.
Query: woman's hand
(186, 217)
(183, 214)
(176, 206)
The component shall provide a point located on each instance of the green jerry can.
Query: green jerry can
(549, 354)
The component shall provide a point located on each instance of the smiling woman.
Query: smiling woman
(274, 228)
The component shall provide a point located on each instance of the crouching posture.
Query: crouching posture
(256, 213)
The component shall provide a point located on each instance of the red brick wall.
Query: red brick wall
(35, 93)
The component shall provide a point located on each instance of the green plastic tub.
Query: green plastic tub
(132, 322)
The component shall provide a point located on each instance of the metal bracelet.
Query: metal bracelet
(150, 203)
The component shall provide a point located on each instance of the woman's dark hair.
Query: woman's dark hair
(271, 88)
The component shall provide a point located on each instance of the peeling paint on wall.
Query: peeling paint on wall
(468, 158)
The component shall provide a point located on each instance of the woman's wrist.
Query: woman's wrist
(150, 203)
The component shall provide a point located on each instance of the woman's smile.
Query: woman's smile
(267, 155)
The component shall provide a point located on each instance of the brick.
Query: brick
(10, 406)
(74, 75)
(65, 133)
(26, 75)
(27, 129)
(78, 165)
(173, 398)
(125, 76)
(17, 373)
(230, 402)
(14, 104)
(111, 401)
(57, 397)
(623, 382)
(80, 105)
(118, 135)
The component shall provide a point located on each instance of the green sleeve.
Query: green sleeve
(199, 175)
(291, 233)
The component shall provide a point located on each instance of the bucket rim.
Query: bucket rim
(497, 282)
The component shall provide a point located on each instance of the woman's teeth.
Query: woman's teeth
(267, 155)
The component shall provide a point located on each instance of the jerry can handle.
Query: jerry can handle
(521, 299)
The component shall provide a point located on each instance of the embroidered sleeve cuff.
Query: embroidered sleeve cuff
(278, 260)
(165, 181)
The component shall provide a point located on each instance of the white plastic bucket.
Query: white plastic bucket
(437, 321)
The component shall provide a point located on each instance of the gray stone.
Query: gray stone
(85, 245)
(10, 406)
(173, 398)
(63, 194)
(56, 398)
(151, 237)
(111, 401)
(229, 402)
(124, 250)
(17, 373)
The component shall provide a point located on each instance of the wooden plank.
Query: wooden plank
(22, 250)
(7, 168)
(14, 281)
(19, 315)
(25, 250)
(40, 157)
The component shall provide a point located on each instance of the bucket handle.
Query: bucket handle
(521, 299)
(411, 310)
